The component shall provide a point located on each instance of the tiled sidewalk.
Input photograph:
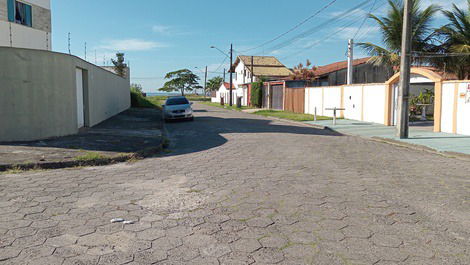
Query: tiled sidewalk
(442, 142)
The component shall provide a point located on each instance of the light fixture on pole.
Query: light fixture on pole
(230, 69)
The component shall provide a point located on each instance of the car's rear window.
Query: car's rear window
(176, 101)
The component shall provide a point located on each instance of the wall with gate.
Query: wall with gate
(39, 94)
(455, 108)
(365, 102)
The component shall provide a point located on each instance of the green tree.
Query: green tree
(137, 88)
(391, 27)
(119, 65)
(182, 80)
(455, 38)
(214, 83)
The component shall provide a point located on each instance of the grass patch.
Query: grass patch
(290, 115)
(234, 107)
(198, 98)
(139, 101)
(90, 156)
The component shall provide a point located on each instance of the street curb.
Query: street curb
(142, 154)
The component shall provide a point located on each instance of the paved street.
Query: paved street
(236, 188)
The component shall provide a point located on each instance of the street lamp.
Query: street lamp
(230, 69)
(205, 80)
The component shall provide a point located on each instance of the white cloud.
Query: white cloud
(349, 32)
(161, 29)
(169, 30)
(131, 45)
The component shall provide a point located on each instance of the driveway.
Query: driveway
(236, 188)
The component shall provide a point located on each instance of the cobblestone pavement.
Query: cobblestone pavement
(240, 189)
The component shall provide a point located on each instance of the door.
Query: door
(278, 97)
(80, 101)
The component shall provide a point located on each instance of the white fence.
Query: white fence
(455, 112)
(361, 102)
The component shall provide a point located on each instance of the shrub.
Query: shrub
(257, 94)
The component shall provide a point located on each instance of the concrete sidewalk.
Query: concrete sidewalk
(131, 134)
(423, 136)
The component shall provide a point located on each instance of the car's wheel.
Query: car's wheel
(191, 119)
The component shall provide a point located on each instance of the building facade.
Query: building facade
(26, 24)
(336, 74)
(248, 69)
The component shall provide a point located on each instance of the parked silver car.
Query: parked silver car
(177, 108)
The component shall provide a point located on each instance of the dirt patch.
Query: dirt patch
(170, 195)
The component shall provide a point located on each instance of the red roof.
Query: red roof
(227, 85)
(330, 68)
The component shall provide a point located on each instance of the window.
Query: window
(23, 14)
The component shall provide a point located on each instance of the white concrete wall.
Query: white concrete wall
(331, 99)
(353, 102)
(314, 99)
(447, 111)
(463, 109)
(361, 102)
(322, 98)
(38, 94)
(374, 103)
(24, 37)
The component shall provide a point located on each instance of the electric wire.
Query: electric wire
(293, 28)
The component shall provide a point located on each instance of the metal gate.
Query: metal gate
(278, 97)
(265, 96)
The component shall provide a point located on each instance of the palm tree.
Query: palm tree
(391, 27)
(455, 38)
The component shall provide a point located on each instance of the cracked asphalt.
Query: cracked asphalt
(235, 188)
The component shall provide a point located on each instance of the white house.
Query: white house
(248, 69)
(25, 24)
(224, 94)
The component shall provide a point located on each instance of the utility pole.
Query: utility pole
(224, 74)
(405, 73)
(205, 83)
(350, 80)
(69, 43)
(231, 74)
(85, 51)
(252, 68)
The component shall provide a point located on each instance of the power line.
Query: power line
(312, 30)
(293, 28)
(365, 19)
(345, 26)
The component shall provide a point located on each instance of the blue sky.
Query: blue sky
(159, 36)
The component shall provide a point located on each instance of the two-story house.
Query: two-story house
(248, 69)
(25, 24)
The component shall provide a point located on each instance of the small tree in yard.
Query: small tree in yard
(181, 80)
(119, 65)
(302, 72)
(214, 83)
